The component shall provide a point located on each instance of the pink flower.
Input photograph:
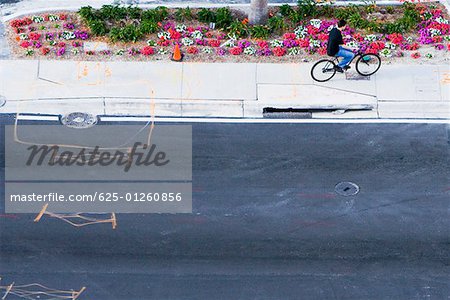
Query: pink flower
(34, 36)
(192, 50)
(147, 50)
(236, 50)
(214, 43)
(263, 44)
(415, 55)
(279, 51)
(25, 44)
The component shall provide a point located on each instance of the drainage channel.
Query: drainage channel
(300, 113)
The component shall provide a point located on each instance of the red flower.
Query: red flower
(448, 47)
(437, 39)
(34, 36)
(304, 43)
(279, 51)
(214, 43)
(263, 44)
(372, 51)
(377, 45)
(147, 50)
(312, 30)
(209, 35)
(322, 36)
(414, 46)
(27, 21)
(45, 51)
(15, 23)
(322, 51)
(192, 50)
(25, 44)
(62, 16)
(236, 50)
(358, 37)
(190, 29)
(163, 42)
(61, 44)
(175, 35)
(415, 55)
(396, 38)
(289, 36)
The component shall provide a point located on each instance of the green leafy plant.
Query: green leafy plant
(307, 8)
(390, 9)
(184, 14)
(206, 15)
(147, 27)
(259, 32)
(113, 12)
(97, 28)
(326, 11)
(286, 10)
(224, 18)
(158, 14)
(238, 28)
(276, 24)
(134, 12)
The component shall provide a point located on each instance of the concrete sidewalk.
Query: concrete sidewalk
(219, 90)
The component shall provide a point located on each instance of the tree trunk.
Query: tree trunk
(258, 12)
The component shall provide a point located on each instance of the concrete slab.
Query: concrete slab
(444, 80)
(142, 107)
(217, 81)
(143, 79)
(360, 114)
(414, 83)
(16, 77)
(269, 73)
(414, 109)
(216, 108)
(311, 96)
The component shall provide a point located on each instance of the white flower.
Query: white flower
(228, 43)
(120, 52)
(37, 19)
(207, 50)
(187, 41)
(409, 39)
(276, 43)
(429, 55)
(74, 51)
(386, 53)
(151, 43)
(197, 34)
(250, 50)
(435, 32)
(300, 31)
(314, 43)
(29, 52)
(371, 37)
(68, 35)
(164, 35)
(180, 28)
(162, 51)
(353, 44)
(294, 51)
(441, 20)
(389, 45)
(23, 36)
(330, 28)
(53, 18)
(315, 22)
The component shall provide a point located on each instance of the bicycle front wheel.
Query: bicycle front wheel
(368, 64)
(323, 70)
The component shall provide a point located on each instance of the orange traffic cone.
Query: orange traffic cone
(177, 56)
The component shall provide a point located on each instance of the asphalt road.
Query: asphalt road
(267, 223)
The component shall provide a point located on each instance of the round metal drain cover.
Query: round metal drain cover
(346, 189)
(79, 120)
(2, 100)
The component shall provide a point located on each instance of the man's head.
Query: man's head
(341, 24)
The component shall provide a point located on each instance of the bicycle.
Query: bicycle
(366, 64)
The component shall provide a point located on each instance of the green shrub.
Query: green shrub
(113, 12)
(147, 27)
(87, 13)
(356, 21)
(326, 11)
(342, 13)
(276, 24)
(286, 10)
(129, 33)
(206, 16)
(134, 12)
(307, 8)
(238, 29)
(158, 14)
(259, 32)
(395, 27)
(184, 14)
(97, 28)
(390, 9)
(224, 18)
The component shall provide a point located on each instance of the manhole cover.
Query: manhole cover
(346, 189)
(79, 120)
(2, 100)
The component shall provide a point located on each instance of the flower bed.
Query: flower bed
(134, 34)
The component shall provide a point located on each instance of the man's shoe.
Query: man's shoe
(339, 69)
(346, 68)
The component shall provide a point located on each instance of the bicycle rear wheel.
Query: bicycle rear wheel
(368, 64)
(323, 70)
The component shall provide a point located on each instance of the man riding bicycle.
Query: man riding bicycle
(336, 47)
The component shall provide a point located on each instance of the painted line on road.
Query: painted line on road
(231, 120)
